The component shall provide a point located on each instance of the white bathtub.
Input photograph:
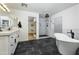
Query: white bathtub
(65, 44)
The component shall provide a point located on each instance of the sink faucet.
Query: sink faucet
(72, 33)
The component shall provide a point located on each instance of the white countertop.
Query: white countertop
(8, 32)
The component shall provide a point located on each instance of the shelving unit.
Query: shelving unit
(31, 28)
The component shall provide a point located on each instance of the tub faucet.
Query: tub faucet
(72, 33)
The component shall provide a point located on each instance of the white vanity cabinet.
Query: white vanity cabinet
(8, 43)
(3, 45)
(13, 41)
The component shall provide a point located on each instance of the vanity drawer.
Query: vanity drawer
(11, 38)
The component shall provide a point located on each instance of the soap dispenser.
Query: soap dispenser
(19, 25)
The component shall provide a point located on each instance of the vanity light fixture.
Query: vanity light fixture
(4, 7)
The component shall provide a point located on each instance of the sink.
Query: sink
(8, 32)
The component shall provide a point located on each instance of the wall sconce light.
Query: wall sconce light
(4, 7)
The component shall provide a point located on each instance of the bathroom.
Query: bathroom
(24, 23)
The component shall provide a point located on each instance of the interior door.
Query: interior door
(58, 25)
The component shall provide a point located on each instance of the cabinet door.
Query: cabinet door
(11, 43)
(17, 37)
(13, 40)
(3, 45)
(11, 47)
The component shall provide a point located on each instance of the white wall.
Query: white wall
(50, 27)
(70, 19)
(23, 17)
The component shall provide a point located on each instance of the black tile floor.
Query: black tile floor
(45, 46)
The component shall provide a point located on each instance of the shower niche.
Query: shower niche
(31, 28)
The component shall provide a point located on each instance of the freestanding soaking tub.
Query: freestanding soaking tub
(65, 44)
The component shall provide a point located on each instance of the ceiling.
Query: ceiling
(42, 8)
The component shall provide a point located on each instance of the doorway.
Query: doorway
(43, 27)
(31, 28)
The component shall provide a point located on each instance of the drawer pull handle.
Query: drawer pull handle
(15, 40)
(11, 37)
(11, 44)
